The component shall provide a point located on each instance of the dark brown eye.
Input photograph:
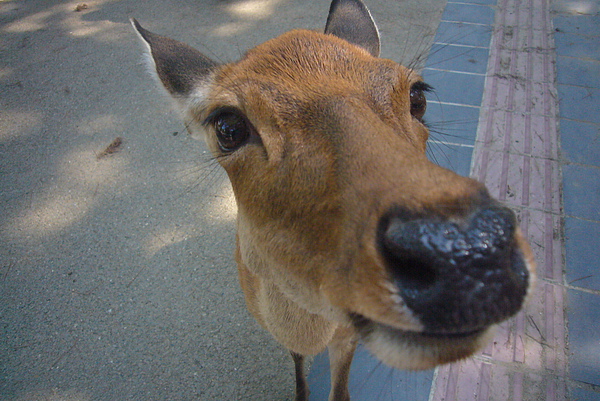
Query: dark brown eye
(418, 102)
(231, 127)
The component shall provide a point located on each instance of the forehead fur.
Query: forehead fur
(310, 59)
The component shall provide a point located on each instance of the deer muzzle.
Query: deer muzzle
(456, 276)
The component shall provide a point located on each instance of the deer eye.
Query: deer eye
(418, 102)
(231, 127)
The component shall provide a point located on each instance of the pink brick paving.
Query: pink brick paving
(516, 156)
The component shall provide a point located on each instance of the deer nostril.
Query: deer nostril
(456, 275)
(416, 277)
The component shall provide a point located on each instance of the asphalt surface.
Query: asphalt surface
(117, 279)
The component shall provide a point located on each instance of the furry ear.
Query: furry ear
(180, 68)
(352, 21)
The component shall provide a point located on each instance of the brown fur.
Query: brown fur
(338, 148)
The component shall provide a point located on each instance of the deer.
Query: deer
(346, 232)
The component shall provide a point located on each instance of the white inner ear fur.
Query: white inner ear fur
(189, 107)
(148, 60)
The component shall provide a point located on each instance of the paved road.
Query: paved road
(116, 272)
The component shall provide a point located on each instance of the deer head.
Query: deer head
(345, 230)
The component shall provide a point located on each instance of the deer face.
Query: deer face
(325, 147)
(339, 208)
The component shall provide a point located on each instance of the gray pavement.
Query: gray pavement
(117, 279)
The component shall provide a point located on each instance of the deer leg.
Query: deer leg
(341, 351)
(301, 385)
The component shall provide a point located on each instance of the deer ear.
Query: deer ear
(352, 21)
(180, 68)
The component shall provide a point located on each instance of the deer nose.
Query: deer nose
(456, 276)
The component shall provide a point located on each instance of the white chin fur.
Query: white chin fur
(414, 351)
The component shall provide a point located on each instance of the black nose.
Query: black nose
(456, 276)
